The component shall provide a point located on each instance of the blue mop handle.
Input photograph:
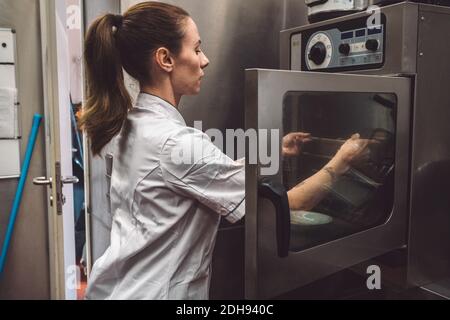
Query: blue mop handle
(23, 177)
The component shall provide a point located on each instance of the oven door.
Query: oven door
(360, 214)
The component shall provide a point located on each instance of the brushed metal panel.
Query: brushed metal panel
(429, 239)
(99, 215)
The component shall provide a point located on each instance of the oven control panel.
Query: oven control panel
(352, 45)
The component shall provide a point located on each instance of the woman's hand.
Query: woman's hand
(353, 150)
(292, 142)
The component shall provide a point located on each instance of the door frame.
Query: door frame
(51, 102)
(60, 273)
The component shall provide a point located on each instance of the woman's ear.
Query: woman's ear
(164, 59)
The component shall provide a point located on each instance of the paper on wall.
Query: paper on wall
(7, 76)
(9, 165)
(8, 113)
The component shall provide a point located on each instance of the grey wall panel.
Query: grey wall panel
(296, 14)
(236, 35)
(93, 9)
(227, 281)
(26, 274)
(429, 235)
(99, 214)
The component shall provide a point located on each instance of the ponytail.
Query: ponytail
(107, 101)
(114, 42)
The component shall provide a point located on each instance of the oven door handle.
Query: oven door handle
(276, 193)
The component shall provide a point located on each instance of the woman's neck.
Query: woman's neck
(163, 92)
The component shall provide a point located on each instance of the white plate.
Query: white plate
(309, 218)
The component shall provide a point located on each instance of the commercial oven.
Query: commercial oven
(384, 81)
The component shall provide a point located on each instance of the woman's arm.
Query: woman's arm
(307, 194)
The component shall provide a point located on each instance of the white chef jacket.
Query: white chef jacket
(165, 213)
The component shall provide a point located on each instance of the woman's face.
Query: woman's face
(189, 64)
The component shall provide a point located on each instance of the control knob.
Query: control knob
(372, 45)
(318, 53)
(344, 48)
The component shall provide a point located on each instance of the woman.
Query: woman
(163, 230)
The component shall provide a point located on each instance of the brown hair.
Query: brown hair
(114, 42)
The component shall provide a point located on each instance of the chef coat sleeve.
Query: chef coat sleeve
(193, 166)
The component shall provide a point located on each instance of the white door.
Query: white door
(64, 273)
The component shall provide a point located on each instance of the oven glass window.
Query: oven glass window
(338, 163)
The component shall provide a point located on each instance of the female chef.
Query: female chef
(165, 213)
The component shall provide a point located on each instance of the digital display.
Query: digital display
(374, 30)
(347, 35)
(360, 33)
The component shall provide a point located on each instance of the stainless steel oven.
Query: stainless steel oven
(338, 78)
